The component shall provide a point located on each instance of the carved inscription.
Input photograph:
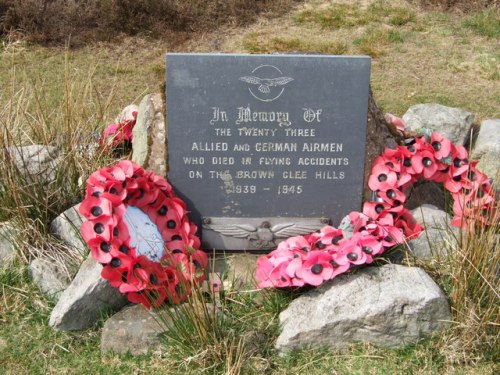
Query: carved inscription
(332, 164)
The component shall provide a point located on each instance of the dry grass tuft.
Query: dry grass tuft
(475, 299)
(31, 198)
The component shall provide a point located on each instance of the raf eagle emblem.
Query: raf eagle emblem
(266, 83)
(264, 236)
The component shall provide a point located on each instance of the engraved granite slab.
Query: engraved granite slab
(263, 147)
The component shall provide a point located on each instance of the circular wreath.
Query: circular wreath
(148, 277)
(384, 222)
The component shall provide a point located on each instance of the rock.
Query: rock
(67, 228)
(426, 192)
(127, 113)
(7, 246)
(453, 123)
(86, 299)
(149, 148)
(430, 216)
(48, 277)
(36, 162)
(240, 272)
(134, 329)
(433, 243)
(487, 148)
(389, 306)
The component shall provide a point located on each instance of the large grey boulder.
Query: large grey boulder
(389, 306)
(149, 148)
(36, 162)
(487, 148)
(134, 329)
(49, 277)
(86, 299)
(453, 123)
(66, 227)
(7, 245)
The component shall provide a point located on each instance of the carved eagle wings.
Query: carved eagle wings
(266, 83)
(283, 230)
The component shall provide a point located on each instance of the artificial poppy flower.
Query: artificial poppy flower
(382, 178)
(440, 145)
(316, 268)
(96, 206)
(459, 159)
(426, 163)
(397, 122)
(291, 270)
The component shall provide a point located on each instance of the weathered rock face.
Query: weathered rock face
(37, 162)
(134, 329)
(83, 302)
(389, 306)
(487, 148)
(453, 123)
(48, 277)
(240, 272)
(7, 248)
(67, 228)
(439, 236)
(149, 146)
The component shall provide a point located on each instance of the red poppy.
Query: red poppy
(440, 145)
(316, 268)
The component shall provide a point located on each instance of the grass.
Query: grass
(60, 97)
(486, 23)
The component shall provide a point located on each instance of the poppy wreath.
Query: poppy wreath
(118, 134)
(146, 279)
(384, 222)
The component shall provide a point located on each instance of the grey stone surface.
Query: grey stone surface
(487, 148)
(149, 146)
(67, 228)
(86, 299)
(433, 243)
(430, 216)
(7, 247)
(389, 306)
(36, 162)
(134, 329)
(453, 123)
(240, 272)
(48, 277)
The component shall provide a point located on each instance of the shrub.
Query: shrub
(463, 5)
(56, 21)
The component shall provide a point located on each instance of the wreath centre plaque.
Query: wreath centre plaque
(265, 147)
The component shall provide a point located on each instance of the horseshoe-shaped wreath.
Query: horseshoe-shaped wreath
(145, 279)
(384, 223)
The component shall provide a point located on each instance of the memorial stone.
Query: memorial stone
(265, 147)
